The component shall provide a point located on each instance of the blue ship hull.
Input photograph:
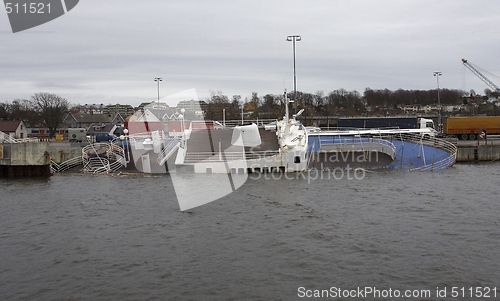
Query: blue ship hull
(348, 151)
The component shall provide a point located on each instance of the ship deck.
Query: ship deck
(207, 141)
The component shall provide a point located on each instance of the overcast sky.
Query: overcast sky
(111, 51)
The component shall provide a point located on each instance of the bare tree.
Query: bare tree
(4, 111)
(52, 109)
(22, 109)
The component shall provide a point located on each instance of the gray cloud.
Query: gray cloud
(110, 51)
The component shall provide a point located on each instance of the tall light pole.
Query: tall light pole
(437, 74)
(293, 39)
(158, 80)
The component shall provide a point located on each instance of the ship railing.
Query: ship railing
(6, 138)
(227, 156)
(94, 147)
(359, 144)
(169, 150)
(143, 136)
(234, 123)
(117, 160)
(101, 165)
(185, 137)
(418, 138)
(111, 158)
(113, 166)
(139, 137)
(117, 149)
(66, 165)
(349, 128)
(437, 143)
(425, 139)
(96, 165)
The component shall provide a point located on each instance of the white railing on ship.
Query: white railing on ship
(227, 156)
(438, 143)
(116, 149)
(111, 159)
(102, 165)
(423, 139)
(115, 166)
(359, 143)
(95, 163)
(169, 149)
(64, 166)
(6, 138)
(233, 123)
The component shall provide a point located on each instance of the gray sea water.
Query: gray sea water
(83, 237)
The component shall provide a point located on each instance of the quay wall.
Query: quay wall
(467, 153)
(60, 152)
(25, 159)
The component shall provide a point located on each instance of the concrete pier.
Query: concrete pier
(24, 159)
(478, 151)
(62, 151)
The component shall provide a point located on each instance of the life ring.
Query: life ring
(482, 135)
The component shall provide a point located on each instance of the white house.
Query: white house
(16, 129)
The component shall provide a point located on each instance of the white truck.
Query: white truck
(77, 134)
(413, 123)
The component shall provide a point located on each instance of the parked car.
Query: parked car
(104, 137)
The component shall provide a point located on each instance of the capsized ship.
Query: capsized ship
(210, 147)
(286, 146)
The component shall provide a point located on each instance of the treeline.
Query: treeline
(411, 97)
(41, 110)
(337, 102)
(48, 110)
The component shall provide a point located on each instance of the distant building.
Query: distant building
(192, 105)
(85, 120)
(123, 110)
(16, 129)
(92, 108)
(153, 105)
(412, 108)
(193, 109)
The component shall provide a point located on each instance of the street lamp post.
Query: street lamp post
(437, 74)
(293, 39)
(158, 80)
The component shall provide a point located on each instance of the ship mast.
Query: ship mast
(287, 101)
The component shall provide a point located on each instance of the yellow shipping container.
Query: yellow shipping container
(59, 137)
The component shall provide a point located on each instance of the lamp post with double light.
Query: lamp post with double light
(158, 80)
